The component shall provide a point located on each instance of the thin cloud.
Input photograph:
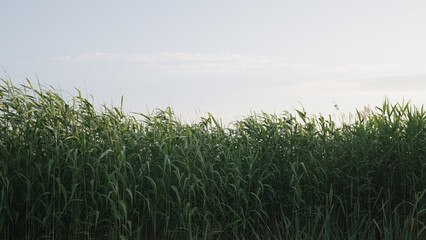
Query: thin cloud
(358, 67)
(191, 62)
(391, 85)
(371, 67)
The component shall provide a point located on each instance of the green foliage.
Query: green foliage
(69, 171)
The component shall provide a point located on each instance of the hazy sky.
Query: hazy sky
(224, 57)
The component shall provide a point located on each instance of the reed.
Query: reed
(71, 171)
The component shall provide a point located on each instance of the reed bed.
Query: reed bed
(71, 171)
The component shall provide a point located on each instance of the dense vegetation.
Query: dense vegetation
(69, 171)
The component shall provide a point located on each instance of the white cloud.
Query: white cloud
(226, 62)
(383, 69)
(360, 67)
(192, 62)
(407, 85)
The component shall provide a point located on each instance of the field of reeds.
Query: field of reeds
(69, 170)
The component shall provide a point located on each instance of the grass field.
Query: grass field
(71, 171)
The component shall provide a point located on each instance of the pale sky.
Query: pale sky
(224, 57)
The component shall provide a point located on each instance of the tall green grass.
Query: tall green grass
(69, 171)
